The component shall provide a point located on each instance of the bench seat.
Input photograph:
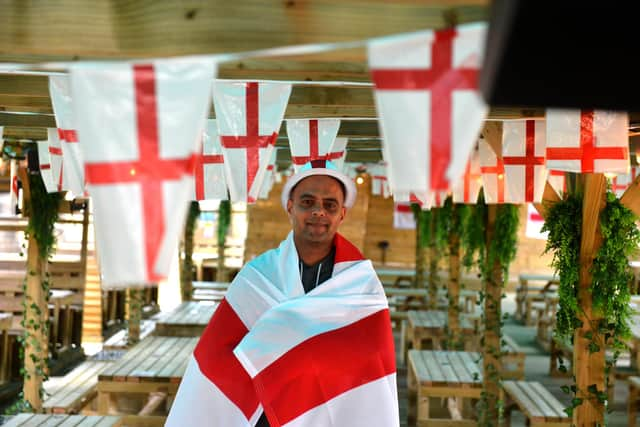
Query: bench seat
(118, 341)
(513, 359)
(536, 403)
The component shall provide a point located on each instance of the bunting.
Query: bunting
(492, 169)
(44, 162)
(468, 189)
(403, 218)
(209, 173)
(270, 176)
(311, 139)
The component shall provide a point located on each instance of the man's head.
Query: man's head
(316, 199)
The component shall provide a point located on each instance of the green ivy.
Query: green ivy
(224, 220)
(186, 271)
(474, 236)
(423, 225)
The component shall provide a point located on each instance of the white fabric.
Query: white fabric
(379, 181)
(230, 100)
(15, 201)
(403, 218)
(514, 145)
(302, 142)
(491, 182)
(621, 182)
(534, 224)
(212, 175)
(106, 94)
(270, 176)
(56, 158)
(338, 151)
(471, 180)
(557, 180)
(61, 99)
(44, 160)
(406, 114)
(610, 129)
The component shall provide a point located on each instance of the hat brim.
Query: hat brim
(349, 185)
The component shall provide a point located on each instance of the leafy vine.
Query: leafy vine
(186, 272)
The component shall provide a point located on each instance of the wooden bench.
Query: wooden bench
(189, 319)
(209, 291)
(536, 403)
(119, 340)
(29, 420)
(70, 393)
(634, 397)
(513, 359)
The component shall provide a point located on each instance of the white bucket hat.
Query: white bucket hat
(320, 167)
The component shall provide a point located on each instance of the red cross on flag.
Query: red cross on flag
(523, 149)
(311, 139)
(467, 190)
(270, 176)
(139, 169)
(15, 199)
(209, 174)
(44, 162)
(558, 181)
(337, 152)
(56, 158)
(587, 141)
(249, 116)
(492, 169)
(430, 110)
(620, 183)
(379, 183)
(438, 198)
(403, 218)
(73, 171)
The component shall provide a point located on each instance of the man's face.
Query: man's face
(316, 209)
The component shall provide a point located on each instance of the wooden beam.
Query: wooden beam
(549, 197)
(103, 29)
(631, 197)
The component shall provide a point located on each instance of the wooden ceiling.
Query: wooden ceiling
(71, 30)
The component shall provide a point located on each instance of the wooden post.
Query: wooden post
(134, 299)
(85, 238)
(589, 368)
(433, 262)
(492, 365)
(420, 250)
(186, 266)
(36, 315)
(454, 280)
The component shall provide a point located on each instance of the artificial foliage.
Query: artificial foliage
(224, 220)
(186, 271)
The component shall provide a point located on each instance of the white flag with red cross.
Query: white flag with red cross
(621, 182)
(15, 198)
(379, 183)
(523, 150)
(587, 141)
(467, 190)
(44, 164)
(426, 91)
(270, 176)
(337, 152)
(492, 170)
(73, 169)
(56, 158)
(403, 218)
(139, 169)
(249, 115)
(438, 198)
(311, 139)
(209, 173)
(535, 221)
(558, 181)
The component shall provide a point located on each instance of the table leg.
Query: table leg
(423, 406)
(67, 330)
(4, 366)
(54, 326)
(404, 345)
(632, 405)
(104, 402)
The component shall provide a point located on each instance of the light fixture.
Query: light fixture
(359, 180)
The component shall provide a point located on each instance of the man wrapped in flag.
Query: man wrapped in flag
(303, 337)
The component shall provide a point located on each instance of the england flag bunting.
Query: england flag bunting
(249, 115)
(269, 346)
(15, 198)
(468, 189)
(73, 165)
(492, 170)
(139, 169)
(621, 182)
(429, 107)
(379, 183)
(558, 181)
(337, 152)
(270, 176)
(523, 150)
(56, 158)
(403, 218)
(44, 162)
(311, 139)
(209, 173)
(587, 141)
(439, 197)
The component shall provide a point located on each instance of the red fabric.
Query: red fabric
(467, 180)
(68, 135)
(498, 170)
(441, 79)
(204, 159)
(529, 161)
(149, 171)
(217, 362)
(587, 153)
(345, 250)
(252, 141)
(326, 365)
(403, 208)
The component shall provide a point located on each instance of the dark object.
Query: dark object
(33, 164)
(383, 245)
(561, 54)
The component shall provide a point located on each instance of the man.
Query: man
(303, 336)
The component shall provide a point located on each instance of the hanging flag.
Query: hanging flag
(534, 224)
(73, 170)
(139, 169)
(56, 159)
(379, 183)
(558, 181)
(428, 143)
(439, 197)
(523, 149)
(15, 189)
(337, 152)
(311, 139)
(587, 141)
(621, 182)
(467, 190)
(249, 117)
(492, 169)
(403, 218)
(209, 174)
(44, 162)
(270, 176)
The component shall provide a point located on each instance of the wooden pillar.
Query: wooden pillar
(186, 266)
(454, 280)
(589, 368)
(492, 365)
(85, 238)
(433, 261)
(134, 314)
(421, 251)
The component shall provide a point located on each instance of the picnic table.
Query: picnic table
(49, 420)
(61, 299)
(523, 297)
(154, 366)
(209, 291)
(5, 324)
(455, 375)
(187, 320)
(431, 325)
